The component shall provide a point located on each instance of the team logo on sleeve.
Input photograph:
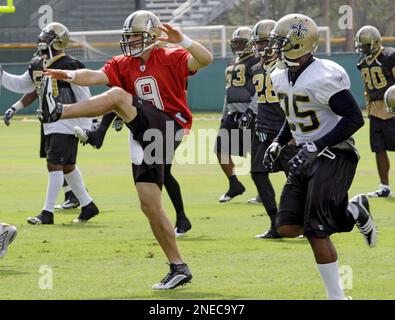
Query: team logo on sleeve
(299, 30)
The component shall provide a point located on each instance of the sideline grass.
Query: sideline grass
(116, 257)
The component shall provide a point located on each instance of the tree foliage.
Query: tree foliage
(380, 13)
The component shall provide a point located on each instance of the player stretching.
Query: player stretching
(157, 75)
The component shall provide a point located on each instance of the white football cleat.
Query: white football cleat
(255, 200)
(382, 192)
(7, 235)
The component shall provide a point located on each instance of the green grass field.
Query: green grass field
(116, 257)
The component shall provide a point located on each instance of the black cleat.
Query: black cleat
(93, 137)
(45, 217)
(269, 234)
(182, 227)
(87, 213)
(117, 124)
(178, 275)
(50, 110)
(235, 189)
(70, 202)
(364, 221)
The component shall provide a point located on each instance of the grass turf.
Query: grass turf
(116, 257)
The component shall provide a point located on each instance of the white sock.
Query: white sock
(75, 181)
(66, 188)
(330, 274)
(384, 186)
(55, 182)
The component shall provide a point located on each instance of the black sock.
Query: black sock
(174, 191)
(266, 193)
(138, 124)
(106, 121)
(233, 179)
(272, 215)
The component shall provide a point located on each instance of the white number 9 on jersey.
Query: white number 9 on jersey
(147, 89)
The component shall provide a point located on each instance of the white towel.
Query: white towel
(136, 150)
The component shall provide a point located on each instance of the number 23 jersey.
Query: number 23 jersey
(161, 80)
(306, 102)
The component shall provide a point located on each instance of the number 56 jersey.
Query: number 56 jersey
(306, 102)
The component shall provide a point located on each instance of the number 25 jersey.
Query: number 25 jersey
(306, 102)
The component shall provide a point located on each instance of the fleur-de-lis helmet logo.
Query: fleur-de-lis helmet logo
(299, 30)
(151, 24)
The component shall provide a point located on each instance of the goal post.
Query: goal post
(9, 8)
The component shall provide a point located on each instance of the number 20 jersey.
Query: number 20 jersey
(379, 75)
(306, 102)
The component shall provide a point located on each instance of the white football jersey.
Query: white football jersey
(306, 102)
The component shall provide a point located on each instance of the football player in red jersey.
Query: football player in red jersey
(148, 92)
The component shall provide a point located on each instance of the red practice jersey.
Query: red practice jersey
(161, 80)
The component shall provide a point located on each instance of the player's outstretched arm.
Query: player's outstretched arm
(25, 101)
(201, 57)
(17, 83)
(81, 77)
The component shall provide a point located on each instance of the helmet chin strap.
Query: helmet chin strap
(50, 53)
(145, 49)
(283, 63)
(291, 64)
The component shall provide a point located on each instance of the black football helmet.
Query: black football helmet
(53, 38)
(241, 41)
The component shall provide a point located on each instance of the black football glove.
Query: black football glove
(8, 115)
(117, 124)
(271, 155)
(244, 119)
(262, 136)
(304, 158)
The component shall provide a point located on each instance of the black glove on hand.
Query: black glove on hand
(117, 124)
(262, 136)
(244, 120)
(304, 158)
(8, 115)
(271, 154)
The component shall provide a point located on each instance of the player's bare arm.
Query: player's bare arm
(200, 58)
(82, 77)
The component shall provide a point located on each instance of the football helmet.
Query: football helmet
(55, 36)
(293, 36)
(389, 99)
(140, 23)
(260, 39)
(241, 41)
(368, 43)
